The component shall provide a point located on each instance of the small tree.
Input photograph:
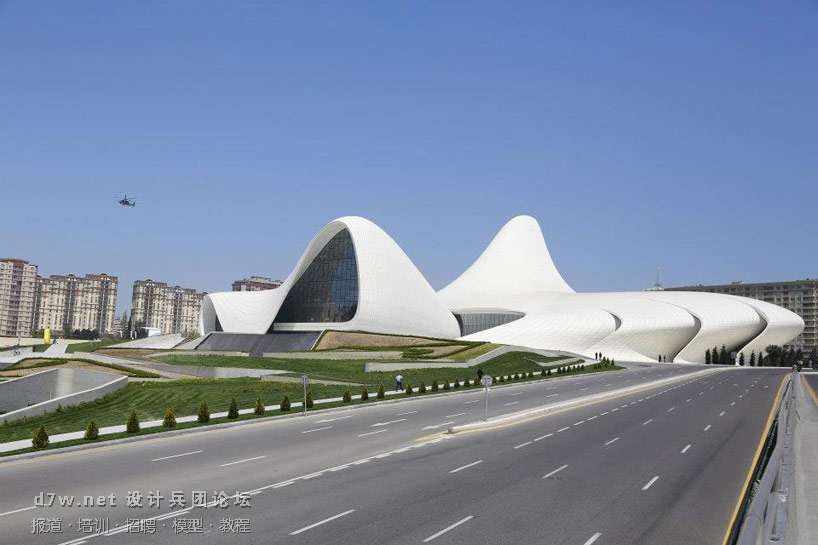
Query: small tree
(457, 383)
(285, 404)
(170, 419)
(260, 409)
(408, 389)
(310, 401)
(39, 439)
(92, 431)
(753, 358)
(707, 360)
(132, 425)
(446, 385)
(381, 392)
(233, 410)
(741, 359)
(422, 389)
(203, 416)
(724, 358)
(364, 394)
(435, 387)
(347, 396)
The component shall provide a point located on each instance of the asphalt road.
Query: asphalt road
(661, 466)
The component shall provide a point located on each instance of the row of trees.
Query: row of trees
(776, 356)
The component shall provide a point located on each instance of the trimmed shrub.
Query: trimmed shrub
(435, 387)
(544, 373)
(457, 383)
(170, 419)
(39, 439)
(446, 385)
(233, 410)
(364, 394)
(347, 398)
(310, 401)
(467, 383)
(259, 410)
(92, 431)
(203, 415)
(422, 389)
(408, 389)
(132, 425)
(501, 379)
(381, 392)
(285, 404)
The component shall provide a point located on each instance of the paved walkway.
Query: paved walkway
(805, 527)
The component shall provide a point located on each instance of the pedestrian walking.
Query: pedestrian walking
(399, 382)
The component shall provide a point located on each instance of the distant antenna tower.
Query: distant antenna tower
(657, 286)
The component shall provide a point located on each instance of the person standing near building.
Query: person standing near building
(399, 382)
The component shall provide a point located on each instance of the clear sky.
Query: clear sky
(677, 135)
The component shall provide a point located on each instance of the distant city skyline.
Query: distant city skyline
(675, 138)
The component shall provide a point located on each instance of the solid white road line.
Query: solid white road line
(176, 455)
(650, 483)
(551, 474)
(593, 538)
(453, 415)
(707, 427)
(541, 437)
(242, 461)
(648, 421)
(367, 434)
(317, 429)
(614, 440)
(461, 468)
(448, 529)
(685, 449)
(18, 510)
(521, 445)
(320, 522)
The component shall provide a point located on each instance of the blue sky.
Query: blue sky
(678, 135)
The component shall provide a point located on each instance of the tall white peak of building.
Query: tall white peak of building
(515, 263)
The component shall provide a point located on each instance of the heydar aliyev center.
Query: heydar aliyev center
(353, 276)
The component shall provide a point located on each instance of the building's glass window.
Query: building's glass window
(328, 289)
(472, 322)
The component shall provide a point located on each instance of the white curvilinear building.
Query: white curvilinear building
(353, 276)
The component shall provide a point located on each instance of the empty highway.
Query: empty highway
(660, 465)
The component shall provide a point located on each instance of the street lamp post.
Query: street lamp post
(305, 381)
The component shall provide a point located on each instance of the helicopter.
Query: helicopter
(125, 201)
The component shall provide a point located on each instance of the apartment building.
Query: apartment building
(256, 283)
(18, 281)
(171, 309)
(67, 303)
(799, 296)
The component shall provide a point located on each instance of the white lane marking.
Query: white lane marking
(648, 421)
(467, 466)
(434, 427)
(282, 485)
(375, 425)
(563, 429)
(453, 415)
(592, 418)
(176, 455)
(670, 410)
(516, 394)
(367, 434)
(324, 421)
(593, 538)
(551, 395)
(614, 409)
(707, 427)
(732, 403)
(510, 403)
(242, 461)
(18, 510)
(521, 445)
(410, 412)
(317, 429)
(552, 473)
(650, 483)
(448, 528)
(541, 437)
(472, 401)
(320, 522)
(688, 400)
(614, 440)
(722, 413)
(580, 422)
(685, 449)
(581, 389)
(603, 414)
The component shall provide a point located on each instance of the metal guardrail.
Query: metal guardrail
(764, 520)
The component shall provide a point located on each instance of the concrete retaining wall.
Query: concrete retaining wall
(39, 393)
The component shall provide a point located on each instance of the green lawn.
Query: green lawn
(90, 346)
(150, 399)
(353, 371)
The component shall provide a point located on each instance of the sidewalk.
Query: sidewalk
(803, 530)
